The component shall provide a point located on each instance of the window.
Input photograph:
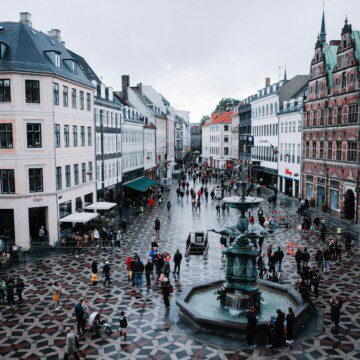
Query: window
(82, 135)
(339, 116)
(83, 172)
(75, 135)
(226, 139)
(36, 180)
(338, 150)
(81, 100)
(353, 114)
(321, 155)
(90, 171)
(330, 150)
(226, 151)
(331, 114)
(57, 60)
(322, 118)
(65, 96)
(89, 134)
(7, 179)
(307, 149)
(33, 135)
(32, 91)
(5, 95)
(6, 136)
(67, 176)
(76, 174)
(64, 209)
(314, 149)
(66, 135)
(88, 101)
(343, 80)
(352, 150)
(317, 88)
(56, 93)
(73, 98)
(58, 178)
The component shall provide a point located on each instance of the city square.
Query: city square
(180, 179)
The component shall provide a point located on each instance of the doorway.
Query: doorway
(288, 187)
(37, 218)
(349, 208)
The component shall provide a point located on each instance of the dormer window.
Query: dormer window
(3, 48)
(54, 56)
(72, 65)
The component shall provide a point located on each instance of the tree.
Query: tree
(226, 104)
(203, 119)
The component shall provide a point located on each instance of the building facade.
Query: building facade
(245, 115)
(195, 137)
(330, 168)
(46, 115)
(235, 136)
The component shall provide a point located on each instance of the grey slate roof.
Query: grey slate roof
(292, 87)
(85, 67)
(26, 52)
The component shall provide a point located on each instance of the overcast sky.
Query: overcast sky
(194, 52)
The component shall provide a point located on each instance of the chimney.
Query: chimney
(55, 34)
(140, 87)
(335, 42)
(25, 18)
(125, 83)
(267, 81)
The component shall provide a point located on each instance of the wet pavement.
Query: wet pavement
(37, 331)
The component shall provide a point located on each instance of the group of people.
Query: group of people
(8, 288)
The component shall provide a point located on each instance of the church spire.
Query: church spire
(323, 31)
(285, 74)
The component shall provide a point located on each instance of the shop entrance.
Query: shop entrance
(349, 208)
(37, 219)
(288, 187)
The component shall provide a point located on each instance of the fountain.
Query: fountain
(221, 306)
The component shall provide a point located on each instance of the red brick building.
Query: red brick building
(330, 165)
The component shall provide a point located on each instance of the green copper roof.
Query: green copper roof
(355, 35)
(330, 60)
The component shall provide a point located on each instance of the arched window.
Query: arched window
(351, 78)
(336, 82)
(276, 108)
(263, 111)
(343, 80)
(271, 109)
(267, 110)
(316, 88)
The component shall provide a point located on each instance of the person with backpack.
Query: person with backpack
(123, 324)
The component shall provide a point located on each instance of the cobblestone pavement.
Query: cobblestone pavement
(37, 331)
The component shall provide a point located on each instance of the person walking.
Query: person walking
(96, 236)
(19, 287)
(251, 326)
(71, 340)
(166, 289)
(10, 286)
(326, 257)
(290, 322)
(123, 225)
(177, 261)
(56, 291)
(123, 324)
(138, 270)
(298, 259)
(335, 308)
(157, 226)
(94, 267)
(305, 257)
(279, 255)
(319, 260)
(106, 272)
(168, 205)
(279, 329)
(166, 268)
(348, 244)
(79, 315)
(148, 271)
(322, 232)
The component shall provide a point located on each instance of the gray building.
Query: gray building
(195, 137)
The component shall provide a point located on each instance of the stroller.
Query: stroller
(96, 324)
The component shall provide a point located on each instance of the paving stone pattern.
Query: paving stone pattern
(37, 331)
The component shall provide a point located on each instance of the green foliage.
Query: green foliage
(203, 119)
(226, 104)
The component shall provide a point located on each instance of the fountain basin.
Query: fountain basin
(200, 308)
(238, 202)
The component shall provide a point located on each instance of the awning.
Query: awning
(79, 217)
(141, 184)
(100, 205)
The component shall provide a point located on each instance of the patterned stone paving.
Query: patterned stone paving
(37, 331)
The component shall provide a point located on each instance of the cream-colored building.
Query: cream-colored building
(47, 153)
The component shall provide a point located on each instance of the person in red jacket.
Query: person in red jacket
(128, 267)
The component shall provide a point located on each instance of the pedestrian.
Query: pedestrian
(338, 251)
(261, 266)
(159, 261)
(138, 272)
(71, 340)
(123, 324)
(148, 271)
(279, 329)
(56, 291)
(123, 225)
(315, 282)
(10, 285)
(322, 232)
(79, 314)
(157, 226)
(298, 259)
(290, 322)
(128, 262)
(94, 267)
(168, 205)
(319, 260)
(106, 272)
(41, 234)
(19, 286)
(348, 244)
(272, 225)
(177, 261)
(326, 257)
(96, 236)
(279, 254)
(166, 267)
(305, 257)
(335, 308)
(166, 290)
(251, 326)
(260, 213)
(218, 209)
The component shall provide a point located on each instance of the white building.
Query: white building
(216, 140)
(235, 136)
(290, 139)
(47, 153)
(265, 127)
(185, 115)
